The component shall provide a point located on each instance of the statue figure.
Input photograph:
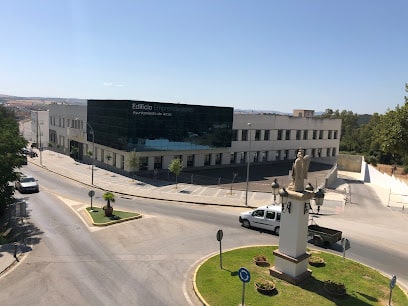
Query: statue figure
(299, 172)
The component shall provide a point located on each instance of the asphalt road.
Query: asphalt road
(150, 261)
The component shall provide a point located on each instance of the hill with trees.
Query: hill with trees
(380, 138)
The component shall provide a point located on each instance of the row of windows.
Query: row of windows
(282, 134)
(235, 157)
(71, 123)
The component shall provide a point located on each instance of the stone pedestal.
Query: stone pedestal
(291, 259)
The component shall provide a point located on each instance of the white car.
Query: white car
(264, 217)
(27, 183)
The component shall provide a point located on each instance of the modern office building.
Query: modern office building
(113, 133)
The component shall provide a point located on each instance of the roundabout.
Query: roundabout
(359, 284)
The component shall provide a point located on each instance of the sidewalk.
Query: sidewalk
(163, 190)
(156, 189)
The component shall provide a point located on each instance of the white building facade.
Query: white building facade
(261, 138)
(40, 128)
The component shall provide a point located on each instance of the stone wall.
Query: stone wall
(352, 163)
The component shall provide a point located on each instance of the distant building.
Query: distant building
(40, 128)
(111, 132)
(307, 113)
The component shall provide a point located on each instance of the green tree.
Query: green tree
(133, 163)
(392, 131)
(109, 197)
(176, 166)
(11, 144)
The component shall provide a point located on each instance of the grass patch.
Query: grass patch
(364, 285)
(98, 216)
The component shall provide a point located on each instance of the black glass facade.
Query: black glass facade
(152, 126)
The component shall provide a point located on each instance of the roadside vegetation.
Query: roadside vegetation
(363, 285)
(381, 139)
(99, 218)
(11, 159)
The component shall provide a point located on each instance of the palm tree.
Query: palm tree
(108, 197)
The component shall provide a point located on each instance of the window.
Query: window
(314, 134)
(158, 162)
(143, 163)
(244, 135)
(329, 136)
(257, 135)
(328, 152)
(335, 135)
(256, 155)
(122, 162)
(305, 134)
(207, 159)
(218, 158)
(234, 135)
(265, 156)
(258, 213)
(270, 215)
(266, 135)
(278, 217)
(233, 158)
(321, 134)
(242, 159)
(298, 133)
(280, 132)
(287, 136)
(334, 152)
(190, 160)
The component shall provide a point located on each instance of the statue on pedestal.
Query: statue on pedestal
(299, 171)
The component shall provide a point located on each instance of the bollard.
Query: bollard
(15, 251)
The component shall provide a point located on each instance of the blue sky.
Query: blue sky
(261, 55)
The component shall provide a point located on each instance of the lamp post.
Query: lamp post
(249, 160)
(284, 196)
(39, 139)
(319, 197)
(93, 152)
(275, 189)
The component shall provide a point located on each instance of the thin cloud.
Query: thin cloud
(110, 84)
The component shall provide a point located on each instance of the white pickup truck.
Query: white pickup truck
(265, 217)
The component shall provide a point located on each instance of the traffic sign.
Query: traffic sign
(91, 193)
(244, 275)
(345, 243)
(219, 235)
(393, 282)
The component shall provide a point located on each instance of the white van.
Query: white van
(265, 217)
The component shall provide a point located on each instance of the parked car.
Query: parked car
(29, 152)
(27, 183)
(25, 151)
(23, 158)
(265, 217)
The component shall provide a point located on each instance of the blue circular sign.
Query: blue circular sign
(244, 275)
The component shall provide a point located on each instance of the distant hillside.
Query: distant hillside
(43, 100)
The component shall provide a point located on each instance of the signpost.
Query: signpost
(91, 193)
(245, 277)
(345, 243)
(220, 234)
(392, 285)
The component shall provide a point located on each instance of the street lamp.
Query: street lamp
(249, 160)
(275, 189)
(93, 152)
(39, 141)
(284, 196)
